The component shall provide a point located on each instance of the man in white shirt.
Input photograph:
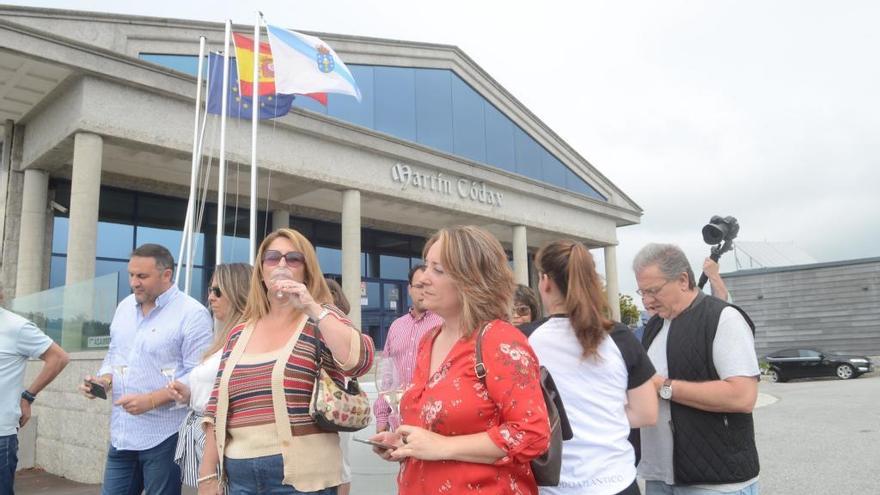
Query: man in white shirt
(704, 441)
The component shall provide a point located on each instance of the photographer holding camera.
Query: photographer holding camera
(704, 441)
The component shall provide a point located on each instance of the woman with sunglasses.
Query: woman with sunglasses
(462, 433)
(601, 371)
(259, 435)
(227, 297)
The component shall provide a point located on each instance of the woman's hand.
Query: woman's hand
(179, 392)
(421, 444)
(210, 487)
(299, 296)
(387, 438)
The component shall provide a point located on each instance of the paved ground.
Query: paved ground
(814, 437)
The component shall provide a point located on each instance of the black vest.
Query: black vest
(707, 447)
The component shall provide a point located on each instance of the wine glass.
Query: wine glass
(278, 275)
(120, 368)
(168, 370)
(390, 388)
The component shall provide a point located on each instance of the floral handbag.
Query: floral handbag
(334, 408)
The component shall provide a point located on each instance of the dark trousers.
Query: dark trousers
(8, 462)
(130, 472)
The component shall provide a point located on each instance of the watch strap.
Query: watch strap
(28, 396)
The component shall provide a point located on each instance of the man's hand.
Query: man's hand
(381, 428)
(136, 403)
(87, 391)
(711, 268)
(25, 413)
(210, 487)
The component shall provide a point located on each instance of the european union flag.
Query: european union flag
(271, 106)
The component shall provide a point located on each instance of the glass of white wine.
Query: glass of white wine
(390, 388)
(168, 370)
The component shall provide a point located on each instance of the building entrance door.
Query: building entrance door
(382, 302)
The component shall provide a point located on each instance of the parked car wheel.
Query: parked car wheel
(845, 372)
(773, 376)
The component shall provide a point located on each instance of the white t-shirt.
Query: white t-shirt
(201, 382)
(733, 352)
(599, 459)
(19, 340)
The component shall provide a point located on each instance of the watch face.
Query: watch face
(666, 392)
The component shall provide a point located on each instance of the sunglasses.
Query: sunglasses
(216, 291)
(292, 258)
(522, 310)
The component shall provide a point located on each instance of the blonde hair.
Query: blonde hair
(571, 267)
(478, 266)
(233, 279)
(258, 302)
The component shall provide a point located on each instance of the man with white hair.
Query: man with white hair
(707, 375)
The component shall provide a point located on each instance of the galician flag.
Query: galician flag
(304, 64)
(244, 54)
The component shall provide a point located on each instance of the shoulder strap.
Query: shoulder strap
(479, 367)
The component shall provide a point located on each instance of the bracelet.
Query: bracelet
(152, 402)
(206, 478)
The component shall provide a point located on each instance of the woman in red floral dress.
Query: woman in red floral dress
(457, 435)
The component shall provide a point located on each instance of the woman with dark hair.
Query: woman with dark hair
(601, 371)
(525, 306)
(227, 297)
(460, 432)
(259, 434)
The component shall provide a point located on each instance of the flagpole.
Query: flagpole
(194, 172)
(221, 188)
(255, 119)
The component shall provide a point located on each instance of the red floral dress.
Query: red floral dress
(453, 401)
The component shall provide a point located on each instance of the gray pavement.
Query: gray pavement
(814, 437)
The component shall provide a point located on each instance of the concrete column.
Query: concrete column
(280, 219)
(351, 252)
(12, 182)
(32, 238)
(611, 284)
(520, 255)
(85, 189)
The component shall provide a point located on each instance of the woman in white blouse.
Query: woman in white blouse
(227, 298)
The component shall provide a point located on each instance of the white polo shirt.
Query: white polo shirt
(19, 341)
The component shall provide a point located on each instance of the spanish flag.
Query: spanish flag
(244, 54)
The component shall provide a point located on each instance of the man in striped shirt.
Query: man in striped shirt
(156, 330)
(402, 343)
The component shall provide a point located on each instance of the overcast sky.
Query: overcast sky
(765, 110)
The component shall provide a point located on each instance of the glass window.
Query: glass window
(395, 101)
(810, 353)
(57, 271)
(236, 249)
(116, 206)
(330, 260)
(115, 240)
(188, 64)
(434, 108)
(348, 108)
(528, 155)
(196, 285)
(59, 234)
(373, 299)
(392, 296)
(573, 182)
(499, 139)
(309, 103)
(106, 267)
(171, 240)
(468, 127)
(393, 267)
(160, 211)
(553, 170)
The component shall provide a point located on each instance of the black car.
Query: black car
(803, 363)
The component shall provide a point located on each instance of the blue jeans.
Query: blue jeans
(661, 488)
(261, 475)
(130, 472)
(8, 462)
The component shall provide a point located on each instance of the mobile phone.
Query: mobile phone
(97, 389)
(374, 444)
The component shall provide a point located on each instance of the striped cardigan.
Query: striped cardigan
(312, 458)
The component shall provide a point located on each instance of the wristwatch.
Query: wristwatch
(666, 389)
(29, 396)
(324, 312)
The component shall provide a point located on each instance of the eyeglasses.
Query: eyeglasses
(652, 292)
(292, 258)
(216, 291)
(522, 310)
